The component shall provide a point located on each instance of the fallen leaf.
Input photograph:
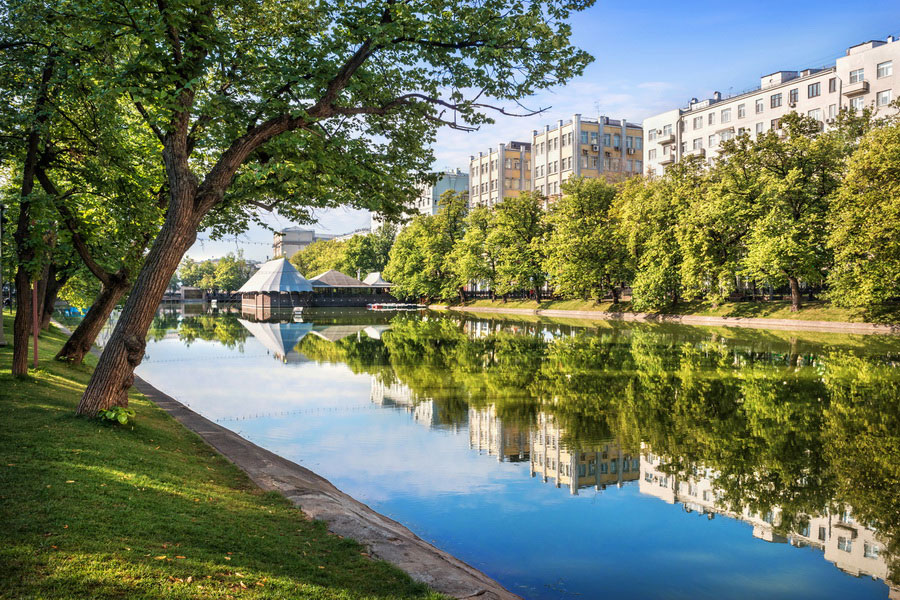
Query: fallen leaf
(163, 557)
(243, 585)
(189, 579)
(179, 556)
(70, 481)
(227, 558)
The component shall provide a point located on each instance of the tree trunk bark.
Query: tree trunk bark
(51, 293)
(82, 339)
(795, 294)
(114, 373)
(22, 323)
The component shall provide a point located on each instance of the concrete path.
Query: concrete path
(385, 538)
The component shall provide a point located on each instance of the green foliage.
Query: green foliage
(117, 415)
(420, 264)
(472, 259)
(360, 255)
(228, 273)
(516, 236)
(586, 256)
(865, 223)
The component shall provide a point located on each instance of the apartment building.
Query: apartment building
(605, 147)
(489, 434)
(429, 200)
(291, 240)
(864, 76)
(501, 172)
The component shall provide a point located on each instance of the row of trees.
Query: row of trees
(361, 254)
(123, 136)
(227, 273)
(794, 207)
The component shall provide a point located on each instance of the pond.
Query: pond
(568, 459)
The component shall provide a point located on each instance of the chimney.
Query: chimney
(717, 96)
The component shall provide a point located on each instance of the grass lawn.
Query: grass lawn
(811, 311)
(150, 511)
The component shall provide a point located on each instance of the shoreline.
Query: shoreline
(747, 322)
(318, 499)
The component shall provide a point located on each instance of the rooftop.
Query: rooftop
(277, 275)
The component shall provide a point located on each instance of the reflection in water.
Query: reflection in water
(797, 437)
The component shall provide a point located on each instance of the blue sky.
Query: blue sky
(650, 57)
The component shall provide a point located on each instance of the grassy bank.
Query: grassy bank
(811, 311)
(150, 511)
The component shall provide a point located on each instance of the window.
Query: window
(816, 114)
(711, 143)
(813, 90)
(651, 135)
(845, 544)
(629, 141)
(604, 468)
(870, 550)
(857, 75)
(793, 96)
(742, 111)
(617, 141)
(638, 167)
(607, 139)
(639, 143)
(613, 467)
(832, 111)
(883, 98)
(822, 533)
(885, 69)
(726, 115)
(857, 104)
(727, 135)
(584, 137)
(775, 101)
(667, 130)
(711, 118)
(698, 122)
(776, 124)
(760, 105)
(698, 143)
(760, 127)
(651, 154)
(832, 85)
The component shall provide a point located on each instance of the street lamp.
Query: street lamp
(2, 337)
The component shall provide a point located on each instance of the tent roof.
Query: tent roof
(334, 278)
(335, 333)
(374, 279)
(277, 276)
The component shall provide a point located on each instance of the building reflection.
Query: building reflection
(488, 434)
(850, 546)
(400, 396)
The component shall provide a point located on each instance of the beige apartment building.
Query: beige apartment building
(867, 75)
(489, 434)
(605, 147)
(501, 172)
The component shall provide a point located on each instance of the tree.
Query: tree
(864, 223)
(231, 272)
(319, 257)
(516, 234)
(420, 262)
(472, 260)
(586, 256)
(265, 105)
(648, 212)
(797, 170)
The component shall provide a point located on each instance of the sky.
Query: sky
(649, 56)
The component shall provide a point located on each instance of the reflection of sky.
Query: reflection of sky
(536, 539)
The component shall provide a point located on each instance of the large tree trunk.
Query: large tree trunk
(795, 294)
(82, 339)
(115, 371)
(22, 323)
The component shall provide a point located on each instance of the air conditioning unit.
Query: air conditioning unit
(595, 147)
(607, 154)
(792, 104)
(630, 151)
(616, 148)
(830, 121)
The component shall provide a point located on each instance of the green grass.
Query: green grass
(95, 511)
(810, 311)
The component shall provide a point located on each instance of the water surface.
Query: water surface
(565, 460)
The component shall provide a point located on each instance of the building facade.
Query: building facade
(609, 148)
(291, 240)
(864, 77)
(502, 172)
(429, 201)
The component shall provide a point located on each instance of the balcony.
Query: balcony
(668, 159)
(856, 89)
(701, 152)
(666, 139)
